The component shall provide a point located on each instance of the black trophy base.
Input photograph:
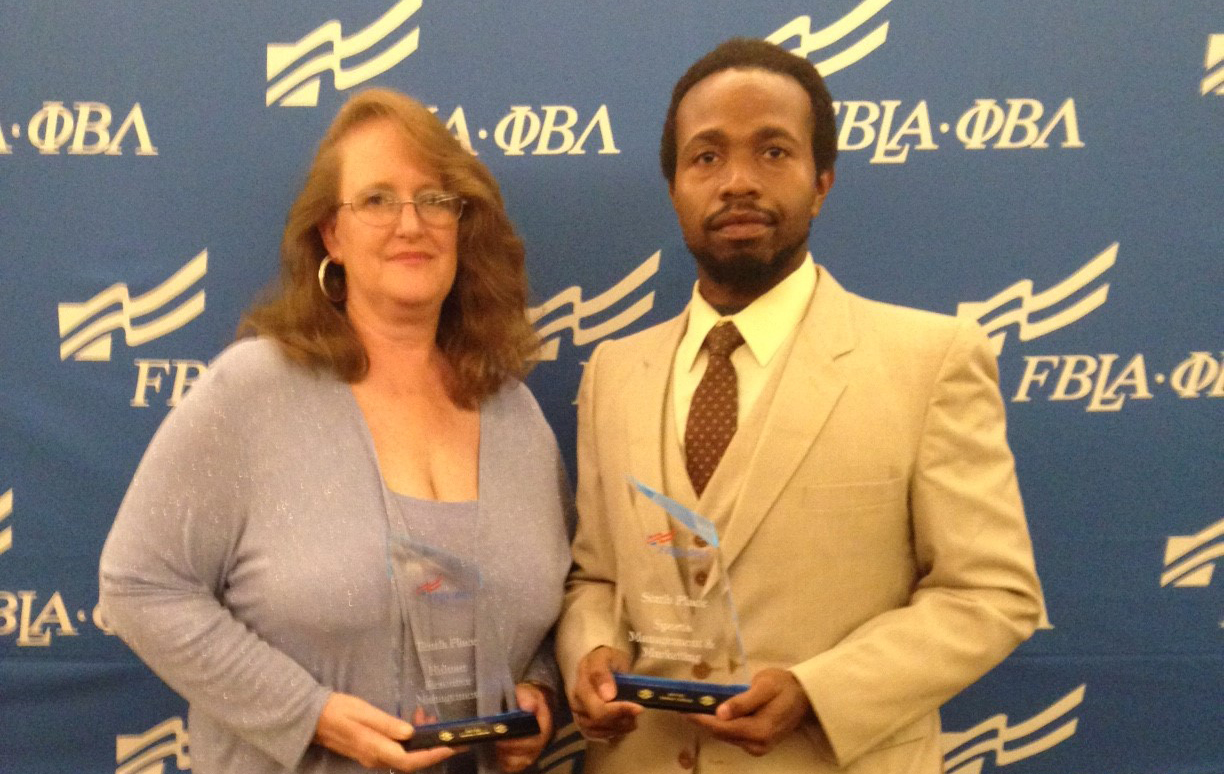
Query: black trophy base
(675, 695)
(490, 728)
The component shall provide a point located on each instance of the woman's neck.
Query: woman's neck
(404, 355)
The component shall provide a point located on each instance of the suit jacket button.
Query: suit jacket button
(700, 578)
(699, 542)
(686, 759)
(701, 670)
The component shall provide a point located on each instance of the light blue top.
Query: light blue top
(247, 564)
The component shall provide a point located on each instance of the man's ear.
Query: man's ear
(824, 184)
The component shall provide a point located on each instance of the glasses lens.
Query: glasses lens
(376, 209)
(438, 209)
(435, 208)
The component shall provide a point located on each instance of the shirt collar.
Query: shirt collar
(765, 323)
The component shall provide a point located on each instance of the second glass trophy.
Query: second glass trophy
(683, 620)
(456, 665)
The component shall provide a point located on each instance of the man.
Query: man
(871, 524)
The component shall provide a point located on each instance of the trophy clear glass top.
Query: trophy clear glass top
(682, 623)
(462, 690)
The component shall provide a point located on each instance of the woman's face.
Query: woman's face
(401, 270)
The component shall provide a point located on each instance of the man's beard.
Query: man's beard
(745, 274)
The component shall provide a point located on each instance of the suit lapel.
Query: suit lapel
(648, 383)
(809, 386)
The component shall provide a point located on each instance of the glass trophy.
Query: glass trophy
(464, 692)
(683, 619)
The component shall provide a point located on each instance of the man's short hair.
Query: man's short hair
(748, 53)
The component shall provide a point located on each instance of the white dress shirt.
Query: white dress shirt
(766, 324)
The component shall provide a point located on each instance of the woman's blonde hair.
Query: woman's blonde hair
(483, 329)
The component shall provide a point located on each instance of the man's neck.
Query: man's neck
(731, 300)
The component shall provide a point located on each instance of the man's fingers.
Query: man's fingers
(742, 732)
(746, 703)
(593, 701)
(757, 719)
(608, 721)
(605, 687)
(599, 666)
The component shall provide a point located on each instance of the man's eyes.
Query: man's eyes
(772, 152)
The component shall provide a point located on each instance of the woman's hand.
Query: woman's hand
(357, 729)
(514, 755)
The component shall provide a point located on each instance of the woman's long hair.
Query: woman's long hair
(483, 330)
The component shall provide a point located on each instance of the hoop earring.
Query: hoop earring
(327, 261)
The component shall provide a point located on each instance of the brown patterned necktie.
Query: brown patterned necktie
(712, 415)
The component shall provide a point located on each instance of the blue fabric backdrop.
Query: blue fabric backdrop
(1050, 168)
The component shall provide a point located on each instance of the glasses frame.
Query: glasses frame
(430, 220)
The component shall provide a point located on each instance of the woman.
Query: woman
(253, 563)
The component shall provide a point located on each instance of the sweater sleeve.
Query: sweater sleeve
(163, 577)
(542, 666)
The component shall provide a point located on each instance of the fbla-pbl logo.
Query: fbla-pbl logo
(892, 129)
(543, 130)
(22, 613)
(1093, 378)
(1018, 124)
(295, 69)
(85, 130)
(1213, 63)
(147, 753)
(428, 587)
(661, 538)
(6, 531)
(1189, 560)
(86, 328)
(579, 312)
(969, 752)
(809, 41)
(18, 616)
(1037, 314)
(1104, 381)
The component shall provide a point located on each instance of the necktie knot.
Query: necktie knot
(723, 339)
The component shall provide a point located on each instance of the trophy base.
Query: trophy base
(490, 728)
(675, 695)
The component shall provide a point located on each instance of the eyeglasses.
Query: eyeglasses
(380, 208)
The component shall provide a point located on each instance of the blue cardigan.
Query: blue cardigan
(248, 563)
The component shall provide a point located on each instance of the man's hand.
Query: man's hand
(760, 717)
(593, 699)
(514, 755)
(357, 729)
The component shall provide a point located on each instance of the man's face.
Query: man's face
(746, 186)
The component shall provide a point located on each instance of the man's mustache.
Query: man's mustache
(736, 212)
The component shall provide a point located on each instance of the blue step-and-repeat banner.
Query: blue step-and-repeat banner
(1052, 169)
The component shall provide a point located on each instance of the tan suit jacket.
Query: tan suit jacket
(872, 531)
